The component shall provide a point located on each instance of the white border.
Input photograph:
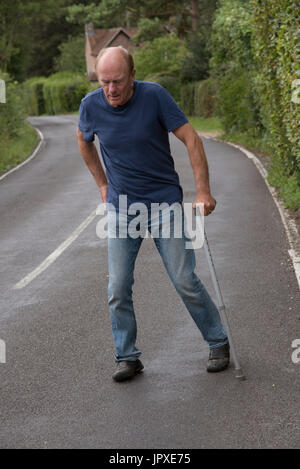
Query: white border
(29, 157)
(288, 222)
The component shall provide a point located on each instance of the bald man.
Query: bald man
(132, 120)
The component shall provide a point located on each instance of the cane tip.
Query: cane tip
(239, 374)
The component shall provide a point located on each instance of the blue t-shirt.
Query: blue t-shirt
(134, 143)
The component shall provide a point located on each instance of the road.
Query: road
(56, 386)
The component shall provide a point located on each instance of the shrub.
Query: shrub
(33, 96)
(71, 58)
(276, 44)
(187, 98)
(12, 113)
(162, 55)
(59, 93)
(290, 191)
(205, 98)
(171, 84)
(236, 104)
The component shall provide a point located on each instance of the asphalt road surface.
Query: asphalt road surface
(56, 387)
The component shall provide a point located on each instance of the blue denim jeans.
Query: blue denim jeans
(180, 265)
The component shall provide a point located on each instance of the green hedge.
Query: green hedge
(12, 113)
(187, 98)
(170, 83)
(205, 98)
(237, 106)
(33, 96)
(61, 92)
(199, 98)
(276, 44)
(17, 137)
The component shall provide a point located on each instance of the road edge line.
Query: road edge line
(30, 157)
(289, 224)
(55, 254)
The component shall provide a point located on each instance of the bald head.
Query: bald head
(112, 55)
(115, 72)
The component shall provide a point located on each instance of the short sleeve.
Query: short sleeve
(85, 123)
(171, 115)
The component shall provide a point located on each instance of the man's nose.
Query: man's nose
(112, 88)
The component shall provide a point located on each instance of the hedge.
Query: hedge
(276, 44)
(169, 82)
(199, 98)
(12, 113)
(61, 92)
(33, 96)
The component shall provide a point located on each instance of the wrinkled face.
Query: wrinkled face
(115, 79)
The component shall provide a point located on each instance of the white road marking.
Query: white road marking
(27, 159)
(55, 254)
(288, 223)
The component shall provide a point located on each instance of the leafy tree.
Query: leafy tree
(233, 64)
(276, 45)
(71, 58)
(163, 55)
(195, 65)
(30, 34)
(149, 29)
(16, 20)
(121, 12)
(180, 16)
(231, 37)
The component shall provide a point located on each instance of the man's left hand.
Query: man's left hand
(208, 202)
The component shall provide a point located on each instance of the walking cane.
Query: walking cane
(221, 306)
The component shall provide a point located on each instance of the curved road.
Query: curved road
(56, 386)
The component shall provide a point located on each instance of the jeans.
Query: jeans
(180, 265)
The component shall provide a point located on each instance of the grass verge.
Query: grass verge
(15, 150)
(206, 124)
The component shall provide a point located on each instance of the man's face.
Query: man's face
(115, 79)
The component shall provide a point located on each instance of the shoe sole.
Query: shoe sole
(217, 369)
(126, 377)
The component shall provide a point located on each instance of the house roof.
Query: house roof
(104, 37)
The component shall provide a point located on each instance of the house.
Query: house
(97, 39)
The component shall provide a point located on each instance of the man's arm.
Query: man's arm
(193, 142)
(90, 155)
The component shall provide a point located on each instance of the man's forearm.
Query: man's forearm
(90, 155)
(199, 164)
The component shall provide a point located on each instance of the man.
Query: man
(132, 120)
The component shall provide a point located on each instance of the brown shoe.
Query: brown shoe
(127, 369)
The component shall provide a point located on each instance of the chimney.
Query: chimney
(89, 29)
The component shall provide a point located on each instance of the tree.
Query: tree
(230, 43)
(179, 16)
(195, 65)
(233, 64)
(71, 58)
(163, 56)
(30, 34)
(148, 30)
